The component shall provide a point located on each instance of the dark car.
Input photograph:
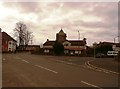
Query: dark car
(100, 55)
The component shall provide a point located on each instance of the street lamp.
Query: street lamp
(78, 41)
(78, 35)
(94, 46)
(114, 46)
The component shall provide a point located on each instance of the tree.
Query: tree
(104, 49)
(58, 48)
(23, 35)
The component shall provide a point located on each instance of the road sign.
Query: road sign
(113, 47)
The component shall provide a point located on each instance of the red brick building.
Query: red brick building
(8, 43)
(71, 47)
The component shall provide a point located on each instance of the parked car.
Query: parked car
(100, 55)
(112, 53)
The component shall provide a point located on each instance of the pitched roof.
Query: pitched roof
(73, 43)
(77, 42)
(61, 32)
(108, 43)
(49, 43)
(7, 37)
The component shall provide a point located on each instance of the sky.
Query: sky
(96, 21)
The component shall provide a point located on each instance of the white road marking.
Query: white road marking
(90, 84)
(25, 61)
(64, 62)
(100, 69)
(46, 69)
(69, 63)
(4, 59)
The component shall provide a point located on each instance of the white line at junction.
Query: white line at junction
(46, 69)
(91, 84)
(25, 61)
(100, 69)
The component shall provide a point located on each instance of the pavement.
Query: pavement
(108, 65)
(105, 64)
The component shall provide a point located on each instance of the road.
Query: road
(26, 70)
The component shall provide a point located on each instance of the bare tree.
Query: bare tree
(23, 35)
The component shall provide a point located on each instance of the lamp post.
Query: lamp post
(94, 46)
(78, 35)
(78, 41)
(114, 46)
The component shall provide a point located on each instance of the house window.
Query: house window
(9, 49)
(66, 51)
(79, 52)
(46, 50)
(72, 53)
(76, 52)
(10, 43)
(65, 44)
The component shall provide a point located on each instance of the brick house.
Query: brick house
(71, 47)
(8, 43)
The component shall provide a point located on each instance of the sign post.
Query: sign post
(114, 47)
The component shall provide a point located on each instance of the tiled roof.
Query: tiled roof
(61, 32)
(73, 43)
(77, 42)
(110, 43)
(49, 43)
(5, 36)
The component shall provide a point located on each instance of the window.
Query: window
(10, 43)
(46, 50)
(9, 49)
(66, 51)
(76, 52)
(65, 44)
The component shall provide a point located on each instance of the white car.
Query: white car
(112, 53)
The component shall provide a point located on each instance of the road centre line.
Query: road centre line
(46, 69)
(91, 84)
(64, 62)
(25, 61)
(69, 63)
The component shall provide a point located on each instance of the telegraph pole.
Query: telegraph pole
(78, 41)
(78, 35)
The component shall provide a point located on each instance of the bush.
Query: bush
(58, 48)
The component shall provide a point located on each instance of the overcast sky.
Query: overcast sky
(95, 21)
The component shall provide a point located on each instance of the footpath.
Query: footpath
(106, 65)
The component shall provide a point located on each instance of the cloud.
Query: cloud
(95, 21)
(24, 7)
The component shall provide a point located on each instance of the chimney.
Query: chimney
(47, 40)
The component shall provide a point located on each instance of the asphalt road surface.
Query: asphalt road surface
(26, 70)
